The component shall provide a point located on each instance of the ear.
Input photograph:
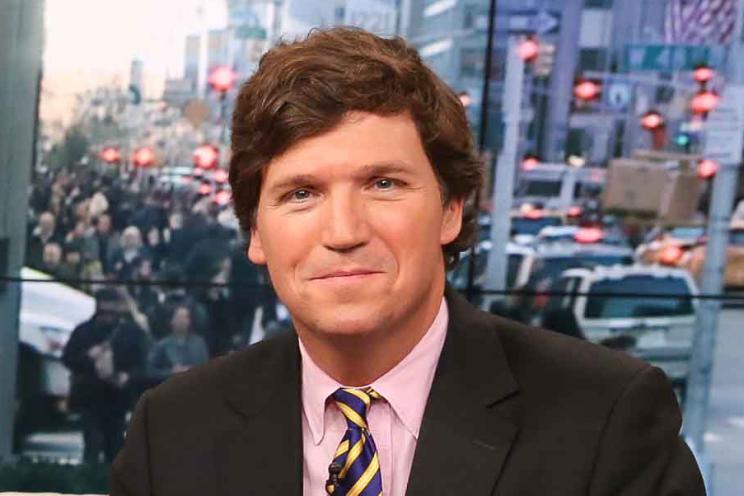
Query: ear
(255, 249)
(451, 221)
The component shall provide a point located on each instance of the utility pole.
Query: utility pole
(562, 81)
(503, 186)
(719, 218)
(21, 27)
(483, 129)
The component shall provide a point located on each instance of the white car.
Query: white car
(50, 311)
(646, 323)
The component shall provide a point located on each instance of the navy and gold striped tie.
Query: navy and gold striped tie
(355, 470)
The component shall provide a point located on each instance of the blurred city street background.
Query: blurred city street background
(611, 133)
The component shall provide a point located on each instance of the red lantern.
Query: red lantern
(707, 168)
(222, 78)
(529, 49)
(206, 156)
(652, 120)
(143, 157)
(586, 90)
(110, 155)
(704, 102)
(702, 74)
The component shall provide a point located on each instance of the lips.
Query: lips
(346, 274)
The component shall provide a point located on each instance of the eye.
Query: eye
(384, 183)
(301, 194)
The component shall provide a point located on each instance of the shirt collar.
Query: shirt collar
(405, 387)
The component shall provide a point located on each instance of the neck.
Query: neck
(361, 359)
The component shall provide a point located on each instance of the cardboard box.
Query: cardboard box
(664, 190)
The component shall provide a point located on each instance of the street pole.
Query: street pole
(701, 362)
(21, 28)
(503, 186)
(483, 132)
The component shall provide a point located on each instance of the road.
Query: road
(724, 436)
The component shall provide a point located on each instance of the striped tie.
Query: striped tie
(355, 470)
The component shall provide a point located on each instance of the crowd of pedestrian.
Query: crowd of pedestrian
(172, 284)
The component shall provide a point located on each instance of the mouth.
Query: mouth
(346, 275)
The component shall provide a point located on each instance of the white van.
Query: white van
(50, 311)
(646, 323)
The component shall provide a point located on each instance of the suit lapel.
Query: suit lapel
(464, 437)
(259, 451)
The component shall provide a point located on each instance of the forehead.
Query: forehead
(359, 140)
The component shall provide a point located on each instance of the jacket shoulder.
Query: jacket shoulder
(206, 384)
(548, 357)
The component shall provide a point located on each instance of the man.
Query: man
(353, 169)
(106, 357)
(44, 233)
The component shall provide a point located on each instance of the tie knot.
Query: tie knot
(354, 404)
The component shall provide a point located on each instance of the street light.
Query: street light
(110, 155)
(143, 156)
(206, 156)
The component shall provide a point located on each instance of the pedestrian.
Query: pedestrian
(180, 350)
(106, 356)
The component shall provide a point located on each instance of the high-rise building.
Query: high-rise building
(191, 60)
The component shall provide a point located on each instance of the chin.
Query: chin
(348, 319)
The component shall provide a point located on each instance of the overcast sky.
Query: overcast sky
(90, 42)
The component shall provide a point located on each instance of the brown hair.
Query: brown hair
(305, 88)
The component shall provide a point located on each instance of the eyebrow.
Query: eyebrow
(374, 169)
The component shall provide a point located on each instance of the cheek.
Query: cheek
(411, 230)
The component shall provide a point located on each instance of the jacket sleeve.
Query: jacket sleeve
(130, 472)
(640, 451)
(75, 355)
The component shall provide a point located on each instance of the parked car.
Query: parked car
(50, 311)
(517, 270)
(733, 275)
(548, 262)
(671, 246)
(626, 307)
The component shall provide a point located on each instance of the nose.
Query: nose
(344, 224)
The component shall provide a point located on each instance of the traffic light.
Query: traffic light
(587, 90)
(206, 156)
(110, 155)
(529, 49)
(143, 156)
(543, 66)
(704, 102)
(707, 169)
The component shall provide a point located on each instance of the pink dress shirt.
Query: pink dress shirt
(394, 421)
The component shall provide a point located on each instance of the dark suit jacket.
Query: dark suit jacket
(512, 411)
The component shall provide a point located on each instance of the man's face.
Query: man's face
(351, 226)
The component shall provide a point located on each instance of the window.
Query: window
(645, 303)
